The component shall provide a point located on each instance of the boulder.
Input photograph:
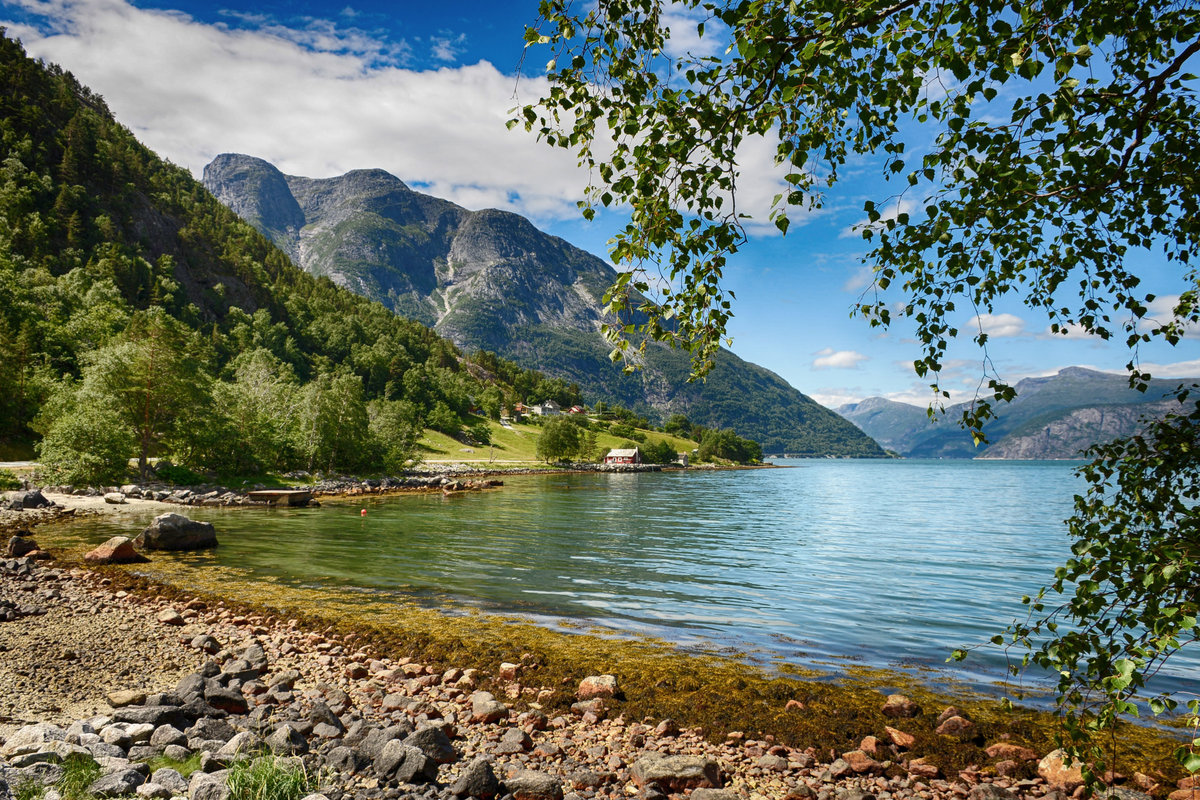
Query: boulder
(31, 738)
(898, 705)
(990, 791)
(114, 498)
(176, 532)
(433, 742)
(1012, 752)
(676, 774)
(287, 741)
(1056, 772)
(486, 708)
(405, 764)
(120, 698)
(30, 499)
(956, 726)
(477, 780)
(528, 784)
(117, 784)
(20, 546)
(117, 550)
(597, 686)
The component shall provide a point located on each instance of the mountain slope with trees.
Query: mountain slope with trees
(140, 317)
(490, 280)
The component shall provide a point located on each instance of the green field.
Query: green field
(518, 444)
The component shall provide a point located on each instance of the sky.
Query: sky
(423, 90)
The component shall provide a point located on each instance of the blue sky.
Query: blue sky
(423, 90)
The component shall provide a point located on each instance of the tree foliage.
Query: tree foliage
(560, 439)
(1035, 148)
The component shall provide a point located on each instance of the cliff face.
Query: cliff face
(491, 280)
(1053, 417)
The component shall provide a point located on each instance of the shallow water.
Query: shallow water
(887, 564)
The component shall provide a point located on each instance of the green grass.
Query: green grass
(184, 768)
(268, 778)
(9, 480)
(518, 444)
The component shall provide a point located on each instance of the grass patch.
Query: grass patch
(269, 778)
(184, 768)
(9, 480)
(81, 772)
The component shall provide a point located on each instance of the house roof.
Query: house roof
(622, 453)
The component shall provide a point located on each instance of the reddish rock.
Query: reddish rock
(955, 726)
(793, 704)
(1055, 771)
(898, 705)
(1014, 752)
(900, 738)
(947, 713)
(595, 686)
(1190, 782)
(117, 550)
(667, 728)
(862, 763)
(1185, 794)
(676, 774)
(920, 768)
(869, 745)
(508, 671)
(486, 708)
(356, 671)
(1148, 784)
(1008, 768)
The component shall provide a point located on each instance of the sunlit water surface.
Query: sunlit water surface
(889, 564)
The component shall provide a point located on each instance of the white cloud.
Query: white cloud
(837, 359)
(685, 38)
(448, 47)
(893, 210)
(316, 102)
(996, 326)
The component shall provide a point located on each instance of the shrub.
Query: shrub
(269, 778)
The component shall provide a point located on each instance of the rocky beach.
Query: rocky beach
(168, 693)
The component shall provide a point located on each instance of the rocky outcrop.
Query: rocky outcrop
(176, 532)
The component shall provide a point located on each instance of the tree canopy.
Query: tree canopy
(1033, 149)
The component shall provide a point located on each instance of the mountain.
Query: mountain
(490, 280)
(1052, 417)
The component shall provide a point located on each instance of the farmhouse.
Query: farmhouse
(623, 457)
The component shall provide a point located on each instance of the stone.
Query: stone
(242, 745)
(955, 726)
(287, 741)
(207, 786)
(514, 740)
(30, 499)
(668, 728)
(898, 705)
(1014, 752)
(31, 739)
(345, 760)
(125, 697)
(321, 713)
(1056, 772)
(1182, 794)
(114, 498)
(947, 713)
(1121, 793)
(171, 779)
(597, 686)
(206, 644)
(486, 708)
(372, 744)
(165, 735)
(176, 752)
(208, 729)
(176, 532)
(117, 550)
(772, 763)
(922, 769)
(231, 700)
(714, 794)
(477, 780)
(117, 784)
(529, 784)
(154, 790)
(990, 791)
(169, 616)
(152, 715)
(434, 743)
(862, 764)
(676, 774)
(20, 546)
(405, 763)
(840, 768)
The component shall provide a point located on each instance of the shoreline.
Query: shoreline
(488, 644)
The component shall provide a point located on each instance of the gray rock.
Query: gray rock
(31, 738)
(171, 779)
(256, 657)
(155, 791)
(105, 750)
(990, 791)
(176, 532)
(345, 760)
(321, 713)
(486, 708)
(287, 740)
(207, 786)
(514, 740)
(43, 773)
(372, 744)
(142, 752)
(176, 752)
(117, 784)
(190, 687)
(433, 742)
(715, 794)
(225, 699)
(477, 780)
(167, 734)
(152, 715)
(528, 784)
(405, 764)
(243, 745)
(207, 728)
(20, 546)
(676, 774)
(206, 644)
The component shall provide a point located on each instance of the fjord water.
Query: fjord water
(886, 563)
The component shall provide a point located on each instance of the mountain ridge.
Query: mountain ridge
(490, 280)
(1053, 417)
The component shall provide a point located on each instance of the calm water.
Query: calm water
(887, 563)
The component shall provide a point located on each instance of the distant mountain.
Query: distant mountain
(1053, 417)
(490, 280)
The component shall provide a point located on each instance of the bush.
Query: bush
(180, 476)
(9, 479)
(89, 444)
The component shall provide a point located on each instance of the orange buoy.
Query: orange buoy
(364, 512)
